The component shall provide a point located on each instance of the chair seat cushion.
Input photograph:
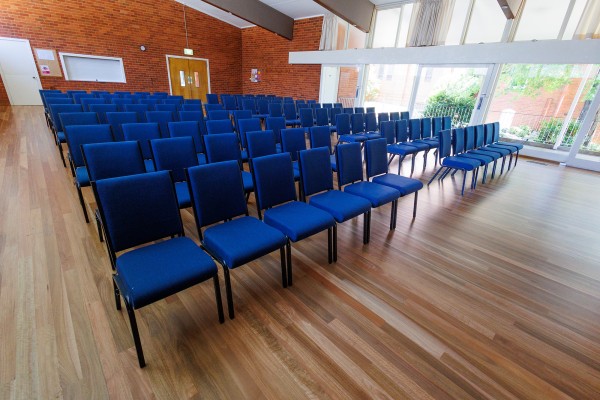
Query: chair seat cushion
(511, 144)
(201, 158)
(419, 144)
(82, 177)
(483, 153)
(501, 146)
(298, 220)
(352, 138)
(342, 206)
(242, 240)
(377, 194)
(460, 163)
(292, 122)
(401, 183)
(401, 149)
(372, 135)
(149, 164)
(183, 194)
(432, 143)
(153, 272)
(244, 155)
(482, 159)
(247, 181)
(500, 150)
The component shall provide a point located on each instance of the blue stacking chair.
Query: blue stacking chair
(226, 147)
(99, 93)
(137, 211)
(515, 147)
(370, 110)
(262, 106)
(293, 141)
(189, 129)
(59, 134)
(427, 137)
(317, 182)
(342, 123)
(322, 118)
(436, 128)
(319, 136)
(76, 118)
(228, 103)
(143, 133)
(139, 109)
(197, 116)
(502, 150)
(218, 126)
(72, 92)
(377, 171)
(159, 95)
(175, 155)
(463, 146)
(414, 134)
(76, 136)
(170, 107)
(117, 119)
(162, 118)
(176, 101)
(359, 110)
(240, 114)
(306, 118)
(85, 102)
(275, 110)
(289, 112)
(101, 110)
(213, 107)
(357, 124)
(371, 127)
(382, 117)
(109, 160)
(481, 149)
(350, 178)
(250, 104)
(405, 115)
(332, 117)
(394, 116)
(450, 163)
(260, 143)
(348, 110)
(276, 194)
(122, 93)
(120, 103)
(192, 101)
(218, 114)
(151, 102)
(276, 124)
(191, 107)
(233, 238)
(327, 105)
(142, 94)
(78, 96)
(396, 141)
(446, 122)
(247, 125)
(212, 98)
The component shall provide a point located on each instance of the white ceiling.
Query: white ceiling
(295, 9)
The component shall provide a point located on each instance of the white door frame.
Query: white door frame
(37, 75)
(322, 84)
(188, 58)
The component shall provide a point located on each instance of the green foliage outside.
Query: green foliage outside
(550, 128)
(531, 79)
(456, 99)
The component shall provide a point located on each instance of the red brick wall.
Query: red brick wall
(117, 28)
(3, 95)
(269, 52)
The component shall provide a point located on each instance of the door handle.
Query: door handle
(34, 77)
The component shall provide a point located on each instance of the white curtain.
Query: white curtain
(589, 24)
(430, 22)
(328, 32)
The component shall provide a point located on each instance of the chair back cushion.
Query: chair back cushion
(276, 124)
(292, 141)
(273, 180)
(388, 131)
(223, 147)
(315, 170)
(342, 123)
(349, 163)
(414, 129)
(218, 126)
(426, 128)
(376, 157)
(112, 159)
(260, 143)
(78, 135)
(320, 137)
(174, 154)
(143, 132)
(247, 125)
(187, 129)
(401, 130)
(118, 119)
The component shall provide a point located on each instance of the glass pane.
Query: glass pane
(182, 77)
(197, 79)
(590, 148)
(386, 28)
(448, 91)
(457, 23)
(389, 86)
(357, 38)
(542, 19)
(404, 24)
(574, 20)
(487, 22)
(341, 34)
(532, 101)
(347, 86)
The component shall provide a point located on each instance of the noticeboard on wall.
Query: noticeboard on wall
(47, 62)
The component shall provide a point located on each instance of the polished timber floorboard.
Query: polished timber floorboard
(494, 295)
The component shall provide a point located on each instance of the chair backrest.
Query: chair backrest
(143, 132)
(159, 95)
(338, 105)
(240, 114)
(342, 123)
(172, 101)
(388, 131)
(101, 110)
(78, 135)
(358, 123)
(289, 111)
(218, 126)
(56, 109)
(58, 100)
(370, 109)
(77, 97)
(479, 136)
(382, 117)
(426, 128)
(139, 109)
(349, 163)
(187, 129)
(223, 147)
(172, 108)
(401, 130)
(436, 126)
(78, 118)
(249, 104)
(212, 98)
(445, 144)
(315, 170)
(359, 110)
(191, 107)
(174, 154)
(322, 116)
(348, 110)
(496, 132)
(332, 114)
(122, 93)
(247, 125)
(488, 129)
(99, 93)
(458, 140)
(142, 94)
(275, 110)
(446, 122)
(394, 116)
(218, 115)
(273, 180)
(320, 136)
(405, 115)
(326, 105)
(228, 102)
(121, 102)
(217, 192)
(469, 138)
(414, 129)
(197, 116)
(260, 143)
(292, 141)
(138, 209)
(306, 117)
(151, 102)
(376, 157)
(85, 102)
(263, 106)
(162, 118)
(192, 101)
(276, 124)
(213, 107)
(371, 122)
(111, 159)
(117, 119)
(72, 92)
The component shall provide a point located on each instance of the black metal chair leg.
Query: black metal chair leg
(425, 154)
(434, 175)
(463, 184)
(228, 292)
(288, 250)
(415, 205)
(62, 156)
(284, 277)
(517, 158)
(218, 298)
(484, 179)
(329, 245)
(117, 295)
(502, 168)
(494, 169)
(136, 335)
(335, 243)
(366, 223)
(99, 226)
(85, 214)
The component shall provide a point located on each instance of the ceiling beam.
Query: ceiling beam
(357, 12)
(259, 14)
(510, 7)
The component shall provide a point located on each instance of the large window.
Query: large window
(541, 19)
(389, 87)
(487, 22)
(391, 26)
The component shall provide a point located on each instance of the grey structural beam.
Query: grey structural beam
(357, 12)
(510, 7)
(259, 14)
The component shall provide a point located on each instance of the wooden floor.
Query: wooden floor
(494, 295)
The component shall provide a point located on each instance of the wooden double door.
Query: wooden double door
(189, 78)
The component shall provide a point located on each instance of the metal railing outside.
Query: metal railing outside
(460, 115)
